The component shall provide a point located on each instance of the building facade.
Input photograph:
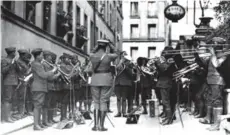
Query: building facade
(50, 25)
(145, 29)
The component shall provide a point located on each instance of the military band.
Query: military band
(48, 82)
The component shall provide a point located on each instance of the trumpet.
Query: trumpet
(78, 69)
(185, 70)
(64, 76)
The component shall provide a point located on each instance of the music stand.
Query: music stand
(178, 103)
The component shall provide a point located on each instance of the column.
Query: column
(39, 15)
(65, 8)
(74, 23)
(53, 18)
(20, 8)
(88, 35)
(82, 19)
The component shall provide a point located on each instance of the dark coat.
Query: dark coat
(40, 77)
(124, 78)
(9, 72)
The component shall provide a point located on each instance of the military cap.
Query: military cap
(75, 56)
(36, 50)
(10, 49)
(103, 41)
(54, 56)
(65, 55)
(46, 52)
(23, 51)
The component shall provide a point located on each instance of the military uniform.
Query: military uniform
(10, 82)
(50, 99)
(123, 85)
(24, 70)
(39, 88)
(65, 87)
(101, 83)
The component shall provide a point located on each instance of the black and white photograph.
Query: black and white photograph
(118, 67)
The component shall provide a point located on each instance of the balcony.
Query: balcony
(135, 16)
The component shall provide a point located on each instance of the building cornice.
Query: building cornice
(143, 40)
(11, 17)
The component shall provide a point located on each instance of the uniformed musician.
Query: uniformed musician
(165, 84)
(123, 85)
(50, 95)
(101, 83)
(24, 70)
(10, 82)
(39, 86)
(66, 67)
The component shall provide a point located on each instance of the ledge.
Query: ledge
(154, 16)
(9, 16)
(134, 17)
(143, 40)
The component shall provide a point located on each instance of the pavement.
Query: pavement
(146, 125)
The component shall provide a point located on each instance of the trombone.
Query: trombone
(78, 69)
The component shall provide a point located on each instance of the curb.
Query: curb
(15, 130)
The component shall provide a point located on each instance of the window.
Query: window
(86, 31)
(134, 51)
(151, 52)
(96, 36)
(78, 15)
(134, 31)
(152, 31)
(9, 5)
(91, 35)
(101, 35)
(152, 9)
(134, 9)
(86, 25)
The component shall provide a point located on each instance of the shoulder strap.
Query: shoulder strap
(99, 63)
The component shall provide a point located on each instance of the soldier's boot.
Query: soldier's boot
(37, 119)
(201, 112)
(145, 110)
(108, 106)
(7, 112)
(163, 114)
(102, 121)
(96, 115)
(21, 111)
(45, 118)
(217, 112)
(168, 120)
(208, 118)
(63, 112)
(124, 108)
(51, 116)
(118, 109)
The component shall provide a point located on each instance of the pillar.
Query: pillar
(53, 18)
(39, 15)
(74, 23)
(65, 8)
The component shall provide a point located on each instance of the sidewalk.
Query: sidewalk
(7, 128)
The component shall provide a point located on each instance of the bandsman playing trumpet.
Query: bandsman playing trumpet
(39, 86)
(66, 68)
(123, 85)
(10, 81)
(24, 70)
(47, 118)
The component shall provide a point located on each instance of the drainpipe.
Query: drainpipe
(94, 20)
(194, 14)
